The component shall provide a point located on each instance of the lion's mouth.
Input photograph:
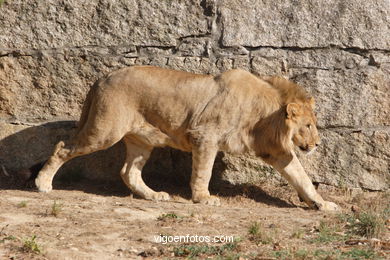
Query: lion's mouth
(304, 149)
(307, 150)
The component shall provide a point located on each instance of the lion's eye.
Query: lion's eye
(309, 126)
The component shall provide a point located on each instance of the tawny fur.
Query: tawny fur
(236, 112)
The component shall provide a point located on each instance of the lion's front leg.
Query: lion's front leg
(291, 169)
(203, 157)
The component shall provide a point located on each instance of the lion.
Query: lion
(235, 112)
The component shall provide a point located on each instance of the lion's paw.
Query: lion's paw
(329, 206)
(209, 200)
(163, 196)
(43, 185)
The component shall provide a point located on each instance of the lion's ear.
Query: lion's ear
(293, 110)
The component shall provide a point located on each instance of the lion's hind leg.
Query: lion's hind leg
(62, 153)
(136, 156)
(84, 143)
(46, 174)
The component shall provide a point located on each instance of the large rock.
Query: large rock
(52, 51)
(52, 24)
(348, 86)
(352, 158)
(306, 24)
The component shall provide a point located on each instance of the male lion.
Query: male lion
(236, 112)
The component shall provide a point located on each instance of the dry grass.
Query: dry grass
(56, 209)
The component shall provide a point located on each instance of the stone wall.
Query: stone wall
(52, 51)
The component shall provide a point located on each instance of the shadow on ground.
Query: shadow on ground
(98, 173)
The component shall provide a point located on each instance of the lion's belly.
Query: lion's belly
(157, 129)
(156, 137)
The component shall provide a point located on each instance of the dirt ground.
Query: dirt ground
(95, 220)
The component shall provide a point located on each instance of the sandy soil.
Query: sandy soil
(91, 220)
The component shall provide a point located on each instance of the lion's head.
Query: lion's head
(298, 108)
(302, 123)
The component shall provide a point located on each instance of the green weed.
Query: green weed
(322, 254)
(232, 256)
(365, 224)
(8, 238)
(357, 253)
(281, 254)
(168, 216)
(369, 225)
(258, 235)
(299, 234)
(197, 250)
(31, 245)
(254, 228)
(22, 204)
(327, 233)
(301, 254)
